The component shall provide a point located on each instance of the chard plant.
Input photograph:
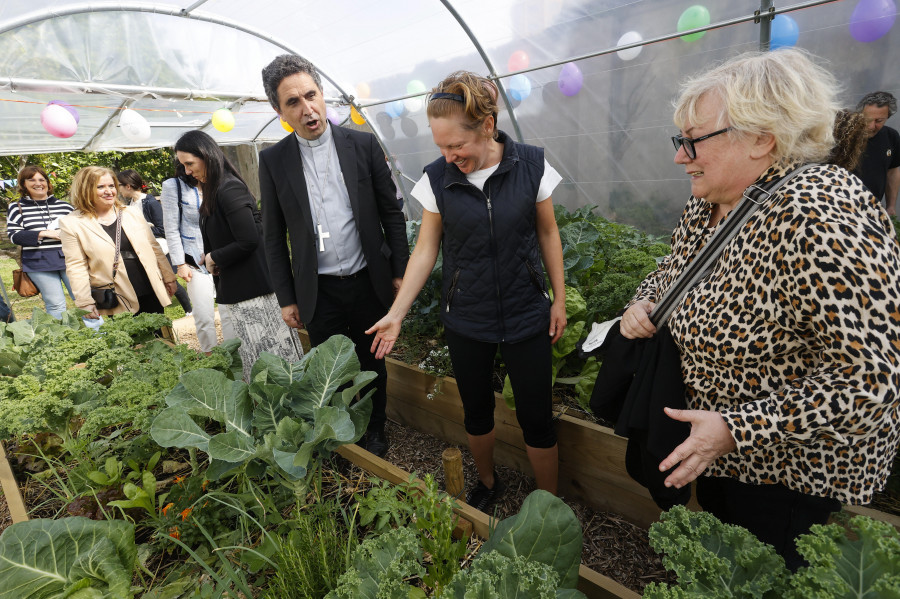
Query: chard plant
(281, 424)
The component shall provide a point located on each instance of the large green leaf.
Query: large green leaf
(202, 392)
(545, 530)
(53, 558)
(277, 370)
(270, 408)
(233, 446)
(329, 365)
(348, 394)
(22, 332)
(238, 408)
(285, 461)
(173, 427)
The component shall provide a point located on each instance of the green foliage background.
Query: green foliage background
(153, 165)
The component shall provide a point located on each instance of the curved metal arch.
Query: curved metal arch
(490, 66)
(85, 7)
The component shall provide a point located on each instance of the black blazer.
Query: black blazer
(232, 235)
(153, 214)
(286, 211)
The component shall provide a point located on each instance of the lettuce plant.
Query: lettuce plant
(287, 415)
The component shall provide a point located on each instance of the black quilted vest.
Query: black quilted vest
(493, 281)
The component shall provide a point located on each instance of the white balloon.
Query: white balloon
(134, 126)
(629, 38)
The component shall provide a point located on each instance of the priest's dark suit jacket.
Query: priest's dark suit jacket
(286, 211)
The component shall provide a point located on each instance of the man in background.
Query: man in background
(879, 167)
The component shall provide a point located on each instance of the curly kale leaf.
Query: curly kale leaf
(714, 560)
(380, 566)
(864, 567)
(495, 576)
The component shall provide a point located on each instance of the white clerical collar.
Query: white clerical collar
(322, 139)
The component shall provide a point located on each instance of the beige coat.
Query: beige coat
(90, 253)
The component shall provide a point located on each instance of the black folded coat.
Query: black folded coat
(637, 379)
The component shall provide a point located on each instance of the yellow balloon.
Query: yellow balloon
(363, 91)
(223, 120)
(285, 126)
(356, 117)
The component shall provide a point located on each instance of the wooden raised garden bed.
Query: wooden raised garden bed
(591, 456)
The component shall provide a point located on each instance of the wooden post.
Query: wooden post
(453, 472)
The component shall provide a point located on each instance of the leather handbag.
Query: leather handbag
(105, 297)
(23, 284)
(640, 377)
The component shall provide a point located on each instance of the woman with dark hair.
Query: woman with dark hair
(487, 208)
(33, 223)
(181, 198)
(231, 227)
(109, 247)
(850, 139)
(131, 187)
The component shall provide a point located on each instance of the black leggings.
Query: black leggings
(528, 364)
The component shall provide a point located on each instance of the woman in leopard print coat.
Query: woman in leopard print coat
(790, 347)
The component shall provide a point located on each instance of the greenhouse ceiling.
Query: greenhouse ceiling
(590, 80)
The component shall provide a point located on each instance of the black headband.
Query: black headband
(445, 96)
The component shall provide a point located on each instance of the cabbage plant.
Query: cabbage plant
(288, 415)
(77, 558)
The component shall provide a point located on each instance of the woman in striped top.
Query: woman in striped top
(33, 223)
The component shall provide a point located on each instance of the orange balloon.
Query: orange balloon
(285, 126)
(356, 117)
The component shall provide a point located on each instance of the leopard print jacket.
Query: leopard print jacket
(794, 337)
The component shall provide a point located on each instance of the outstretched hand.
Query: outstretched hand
(386, 332)
(710, 438)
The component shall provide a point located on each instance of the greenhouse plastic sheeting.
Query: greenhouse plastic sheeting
(605, 119)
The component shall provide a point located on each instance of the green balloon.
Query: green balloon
(692, 18)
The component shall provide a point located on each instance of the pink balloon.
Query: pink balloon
(58, 121)
(332, 115)
(518, 60)
(68, 107)
(872, 19)
(570, 79)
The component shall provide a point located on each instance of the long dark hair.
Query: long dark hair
(205, 148)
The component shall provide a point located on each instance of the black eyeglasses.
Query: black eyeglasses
(687, 143)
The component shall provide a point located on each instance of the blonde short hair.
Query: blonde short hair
(783, 93)
(83, 193)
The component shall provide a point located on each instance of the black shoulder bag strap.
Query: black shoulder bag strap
(118, 242)
(753, 197)
(180, 209)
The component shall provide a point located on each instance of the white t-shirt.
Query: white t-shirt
(425, 195)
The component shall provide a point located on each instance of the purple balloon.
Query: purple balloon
(570, 79)
(872, 19)
(68, 107)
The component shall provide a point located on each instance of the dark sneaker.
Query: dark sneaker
(377, 443)
(481, 498)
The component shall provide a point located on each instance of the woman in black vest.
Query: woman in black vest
(487, 202)
(231, 227)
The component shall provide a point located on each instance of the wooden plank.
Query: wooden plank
(593, 584)
(860, 510)
(17, 511)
